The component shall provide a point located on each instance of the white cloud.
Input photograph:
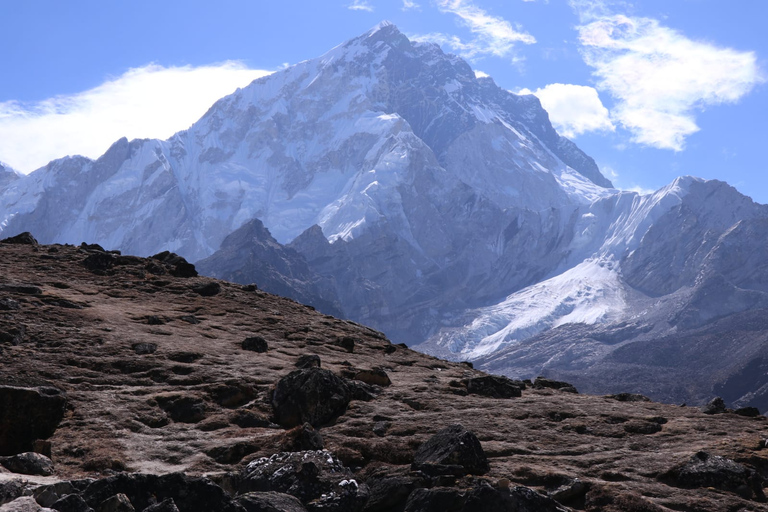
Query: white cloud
(658, 77)
(481, 74)
(147, 102)
(492, 35)
(409, 5)
(573, 109)
(360, 5)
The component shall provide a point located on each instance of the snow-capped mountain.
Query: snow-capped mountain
(444, 210)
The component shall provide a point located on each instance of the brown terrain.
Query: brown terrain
(168, 374)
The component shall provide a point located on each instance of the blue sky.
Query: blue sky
(651, 89)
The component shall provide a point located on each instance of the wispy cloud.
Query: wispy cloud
(573, 109)
(360, 5)
(147, 102)
(409, 5)
(659, 78)
(492, 35)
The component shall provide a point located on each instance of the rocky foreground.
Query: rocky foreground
(134, 384)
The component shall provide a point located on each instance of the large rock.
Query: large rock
(306, 475)
(481, 498)
(190, 494)
(312, 395)
(452, 446)
(24, 238)
(28, 463)
(495, 386)
(24, 504)
(27, 414)
(706, 470)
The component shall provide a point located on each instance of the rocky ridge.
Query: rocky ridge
(181, 392)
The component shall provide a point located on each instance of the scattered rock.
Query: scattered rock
(24, 504)
(28, 463)
(208, 289)
(705, 470)
(24, 238)
(117, 503)
(190, 319)
(750, 412)
(641, 427)
(269, 502)
(28, 414)
(155, 320)
(541, 383)
(714, 406)
(454, 445)
(182, 408)
(91, 247)
(311, 395)
(629, 397)
(571, 492)
(179, 267)
(481, 498)
(347, 343)
(308, 361)
(71, 503)
(305, 475)
(144, 348)
(375, 377)
(99, 261)
(495, 386)
(255, 344)
(7, 304)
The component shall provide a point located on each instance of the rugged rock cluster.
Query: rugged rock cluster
(133, 384)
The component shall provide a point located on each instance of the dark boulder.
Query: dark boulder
(255, 344)
(28, 463)
(71, 503)
(178, 266)
(541, 383)
(749, 412)
(705, 470)
(91, 247)
(28, 414)
(306, 475)
(144, 348)
(190, 494)
(714, 406)
(269, 502)
(99, 261)
(347, 343)
(311, 395)
(308, 361)
(389, 492)
(24, 238)
(495, 386)
(7, 304)
(117, 503)
(480, 498)
(453, 446)
(183, 408)
(208, 289)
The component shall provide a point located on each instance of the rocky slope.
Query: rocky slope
(180, 392)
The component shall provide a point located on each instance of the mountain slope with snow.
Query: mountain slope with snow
(420, 200)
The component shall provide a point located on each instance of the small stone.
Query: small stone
(144, 348)
(208, 289)
(117, 503)
(255, 344)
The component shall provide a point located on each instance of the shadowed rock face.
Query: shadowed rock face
(160, 392)
(27, 414)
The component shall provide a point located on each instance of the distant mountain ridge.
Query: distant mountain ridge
(407, 194)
